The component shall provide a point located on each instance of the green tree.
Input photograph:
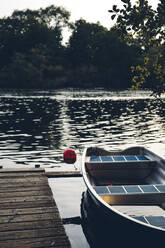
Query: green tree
(83, 43)
(31, 50)
(81, 53)
(146, 26)
(25, 29)
(33, 70)
(20, 73)
(33, 55)
(114, 58)
(99, 57)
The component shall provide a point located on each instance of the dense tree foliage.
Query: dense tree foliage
(33, 54)
(146, 26)
(100, 56)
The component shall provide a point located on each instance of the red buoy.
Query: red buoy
(70, 156)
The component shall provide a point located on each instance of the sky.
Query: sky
(90, 10)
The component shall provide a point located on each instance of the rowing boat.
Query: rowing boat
(125, 195)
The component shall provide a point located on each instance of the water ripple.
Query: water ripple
(36, 127)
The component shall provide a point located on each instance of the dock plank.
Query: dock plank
(20, 174)
(22, 184)
(25, 211)
(63, 174)
(15, 188)
(25, 193)
(29, 216)
(24, 180)
(11, 205)
(46, 242)
(33, 233)
(25, 170)
(31, 198)
(50, 223)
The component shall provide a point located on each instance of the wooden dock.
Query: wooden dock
(63, 174)
(29, 217)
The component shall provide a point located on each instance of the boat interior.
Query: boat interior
(132, 181)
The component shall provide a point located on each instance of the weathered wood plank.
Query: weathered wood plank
(48, 174)
(35, 233)
(25, 199)
(31, 170)
(22, 184)
(24, 211)
(50, 223)
(46, 242)
(18, 180)
(28, 214)
(63, 174)
(41, 203)
(20, 174)
(14, 188)
(25, 193)
(31, 217)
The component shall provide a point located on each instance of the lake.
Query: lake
(37, 126)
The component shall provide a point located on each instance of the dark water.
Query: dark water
(37, 126)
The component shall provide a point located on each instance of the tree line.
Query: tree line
(33, 54)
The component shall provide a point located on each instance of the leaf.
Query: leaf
(125, 1)
(110, 11)
(114, 8)
(113, 17)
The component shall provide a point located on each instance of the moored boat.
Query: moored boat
(125, 195)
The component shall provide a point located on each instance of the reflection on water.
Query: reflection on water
(36, 127)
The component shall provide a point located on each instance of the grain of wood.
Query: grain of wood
(25, 193)
(33, 233)
(15, 188)
(29, 216)
(25, 211)
(63, 174)
(35, 204)
(20, 174)
(51, 223)
(22, 180)
(44, 242)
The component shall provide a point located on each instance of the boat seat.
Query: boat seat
(120, 167)
(119, 158)
(158, 221)
(132, 194)
(110, 162)
(149, 214)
